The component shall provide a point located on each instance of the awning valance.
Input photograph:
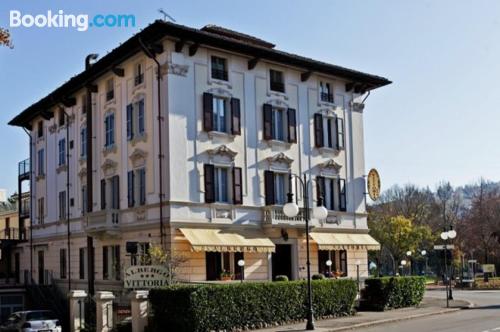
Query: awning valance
(227, 240)
(343, 241)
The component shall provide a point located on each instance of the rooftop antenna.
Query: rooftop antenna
(166, 15)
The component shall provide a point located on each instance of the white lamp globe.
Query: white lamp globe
(241, 263)
(423, 252)
(452, 234)
(328, 263)
(408, 253)
(403, 262)
(291, 209)
(444, 235)
(320, 212)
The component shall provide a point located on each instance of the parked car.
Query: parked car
(31, 321)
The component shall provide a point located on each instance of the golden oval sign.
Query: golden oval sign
(373, 184)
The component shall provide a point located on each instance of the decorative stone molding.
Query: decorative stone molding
(278, 103)
(109, 149)
(139, 138)
(177, 69)
(329, 112)
(109, 167)
(220, 92)
(82, 173)
(61, 168)
(358, 107)
(52, 128)
(280, 158)
(223, 151)
(330, 164)
(138, 158)
(140, 214)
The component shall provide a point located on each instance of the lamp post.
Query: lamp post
(329, 264)
(241, 264)
(424, 254)
(291, 209)
(403, 263)
(447, 235)
(410, 265)
(358, 263)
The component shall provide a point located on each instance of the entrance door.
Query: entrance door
(282, 261)
(41, 268)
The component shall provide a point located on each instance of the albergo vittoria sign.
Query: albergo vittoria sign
(146, 277)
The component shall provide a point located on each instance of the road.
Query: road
(483, 317)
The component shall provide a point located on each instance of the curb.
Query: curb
(392, 320)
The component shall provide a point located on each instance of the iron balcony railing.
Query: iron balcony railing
(24, 167)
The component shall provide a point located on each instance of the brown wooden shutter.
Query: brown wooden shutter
(318, 130)
(269, 187)
(237, 186)
(235, 116)
(320, 187)
(103, 194)
(209, 183)
(292, 126)
(208, 111)
(268, 121)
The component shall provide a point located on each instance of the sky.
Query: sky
(437, 121)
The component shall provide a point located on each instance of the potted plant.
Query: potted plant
(226, 276)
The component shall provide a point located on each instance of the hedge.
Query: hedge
(247, 305)
(392, 292)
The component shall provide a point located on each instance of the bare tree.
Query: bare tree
(5, 39)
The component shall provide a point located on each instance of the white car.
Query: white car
(31, 321)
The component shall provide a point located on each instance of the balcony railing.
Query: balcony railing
(328, 97)
(10, 233)
(102, 221)
(275, 215)
(25, 208)
(278, 86)
(219, 74)
(24, 168)
(139, 79)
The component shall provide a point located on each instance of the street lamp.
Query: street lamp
(358, 263)
(424, 254)
(329, 264)
(448, 234)
(241, 264)
(410, 266)
(291, 209)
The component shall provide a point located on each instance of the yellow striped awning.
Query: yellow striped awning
(227, 240)
(343, 241)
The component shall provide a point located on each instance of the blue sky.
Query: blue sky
(437, 121)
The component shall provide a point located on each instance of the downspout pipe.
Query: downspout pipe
(148, 52)
(66, 115)
(31, 204)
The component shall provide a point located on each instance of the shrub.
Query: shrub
(392, 292)
(281, 278)
(248, 305)
(318, 276)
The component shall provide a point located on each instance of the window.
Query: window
(84, 104)
(109, 126)
(113, 184)
(110, 89)
(62, 118)
(62, 204)
(84, 200)
(219, 68)
(328, 132)
(136, 188)
(135, 119)
(218, 181)
(339, 262)
(111, 263)
(83, 142)
(142, 256)
(276, 187)
(62, 152)
(279, 124)
(62, 263)
(332, 191)
(40, 129)
(41, 210)
(325, 92)
(139, 74)
(221, 265)
(220, 114)
(276, 80)
(41, 162)
(82, 254)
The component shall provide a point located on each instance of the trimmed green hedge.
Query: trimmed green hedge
(392, 292)
(247, 305)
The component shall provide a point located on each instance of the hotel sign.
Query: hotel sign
(146, 277)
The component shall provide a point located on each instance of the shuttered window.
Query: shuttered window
(83, 142)
(292, 125)
(103, 194)
(237, 186)
(208, 111)
(209, 183)
(135, 119)
(62, 152)
(340, 133)
(342, 194)
(269, 187)
(130, 189)
(235, 116)
(109, 126)
(142, 186)
(318, 130)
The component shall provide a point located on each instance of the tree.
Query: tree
(5, 39)
(159, 256)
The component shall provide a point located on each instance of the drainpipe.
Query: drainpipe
(31, 205)
(66, 115)
(160, 119)
(90, 199)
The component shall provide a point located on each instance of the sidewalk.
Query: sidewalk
(429, 306)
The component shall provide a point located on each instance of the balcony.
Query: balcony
(10, 233)
(327, 97)
(105, 222)
(23, 170)
(274, 215)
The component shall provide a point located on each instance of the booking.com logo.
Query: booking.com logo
(82, 22)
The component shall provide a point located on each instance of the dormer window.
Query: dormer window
(139, 74)
(277, 82)
(219, 68)
(325, 92)
(110, 89)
